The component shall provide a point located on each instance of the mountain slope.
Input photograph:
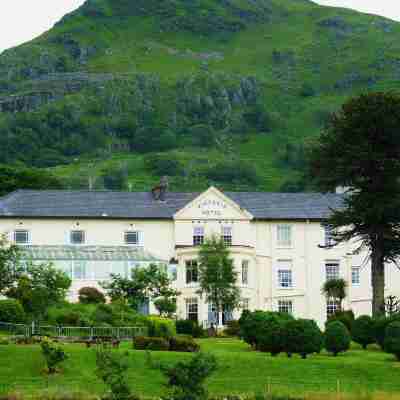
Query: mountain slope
(216, 85)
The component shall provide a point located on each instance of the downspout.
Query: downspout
(307, 271)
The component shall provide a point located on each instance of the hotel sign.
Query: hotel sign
(212, 208)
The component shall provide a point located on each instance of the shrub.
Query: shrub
(53, 354)
(186, 378)
(302, 336)
(91, 295)
(337, 338)
(150, 343)
(232, 328)
(253, 326)
(345, 317)
(161, 327)
(111, 369)
(380, 325)
(4, 341)
(363, 331)
(189, 327)
(183, 345)
(160, 164)
(271, 338)
(392, 339)
(11, 311)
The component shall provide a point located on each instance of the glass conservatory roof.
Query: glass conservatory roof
(89, 253)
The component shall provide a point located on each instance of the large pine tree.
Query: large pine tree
(360, 149)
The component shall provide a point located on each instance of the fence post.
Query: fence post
(269, 386)
(33, 328)
(338, 389)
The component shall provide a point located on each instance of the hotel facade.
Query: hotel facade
(277, 241)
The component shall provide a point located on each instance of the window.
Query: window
(79, 271)
(131, 238)
(77, 237)
(198, 236)
(284, 235)
(285, 275)
(355, 275)
(21, 237)
(329, 240)
(173, 272)
(191, 271)
(332, 271)
(331, 307)
(285, 306)
(245, 304)
(245, 272)
(192, 309)
(285, 278)
(227, 235)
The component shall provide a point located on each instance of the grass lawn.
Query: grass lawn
(240, 371)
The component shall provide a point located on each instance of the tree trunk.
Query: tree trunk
(378, 281)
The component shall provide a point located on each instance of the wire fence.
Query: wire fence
(125, 332)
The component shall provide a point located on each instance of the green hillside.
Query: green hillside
(227, 91)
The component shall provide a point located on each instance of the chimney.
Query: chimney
(159, 192)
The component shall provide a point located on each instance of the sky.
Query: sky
(23, 20)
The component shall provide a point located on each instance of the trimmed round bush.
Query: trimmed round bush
(337, 338)
(380, 325)
(258, 326)
(91, 295)
(302, 336)
(363, 331)
(392, 339)
(346, 317)
(11, 311)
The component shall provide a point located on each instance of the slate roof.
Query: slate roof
(141, 205)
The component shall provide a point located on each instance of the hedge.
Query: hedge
(150, 343)
(183, 345)
(363, 331)
(392, 339)
(161, 327)
(337, 338)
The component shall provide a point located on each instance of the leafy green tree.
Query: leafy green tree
(360, 149)
(337, 338)
(363, 331)
(217, 276)
(53, 354)
(111, 369)
(11, 311)
(186, 378)
(14, 178)
(115, 178)
(40, 287)
(144, 284)
(335, 289)
(10, 267)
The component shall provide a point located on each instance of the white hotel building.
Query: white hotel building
(276, 240)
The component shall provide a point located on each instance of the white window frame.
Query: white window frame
(329, 274)
(285, 278)
(193, 265)
(72, 232)
(138, 237)
(198, 235)
(20, 231)
(245, 272)
(355, 276)
(284, 236)
(227, 235)
(192, 302)
(332, 305)
(329, 241)
(285, 306)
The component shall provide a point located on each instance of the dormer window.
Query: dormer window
(21, 237)
(226, 235)
(132, 238)
(198, 236)
(77, 237)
